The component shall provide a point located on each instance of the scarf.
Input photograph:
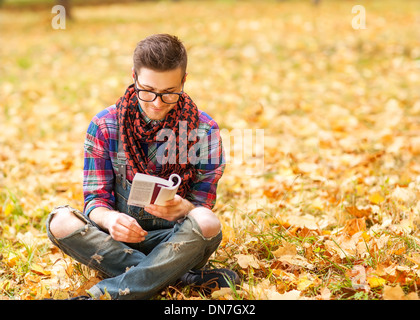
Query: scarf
(178, 123)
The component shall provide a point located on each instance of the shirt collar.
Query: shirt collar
(153, 123)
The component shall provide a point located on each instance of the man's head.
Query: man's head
(160, 63)
(160, 52)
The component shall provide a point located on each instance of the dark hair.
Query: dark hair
(160, 52)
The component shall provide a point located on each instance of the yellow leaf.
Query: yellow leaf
(375, 281)
(36, 268)
(376, 198)
(9, 209)
(304, 283)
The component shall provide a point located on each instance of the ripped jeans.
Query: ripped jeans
(137, 270)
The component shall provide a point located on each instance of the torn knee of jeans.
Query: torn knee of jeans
(124, 292)
(97, 257)
(175, 245)
(200, 233)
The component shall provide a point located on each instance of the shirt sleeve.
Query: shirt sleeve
(210, 165)
(98, 172)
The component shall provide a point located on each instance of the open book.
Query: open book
(146, 189)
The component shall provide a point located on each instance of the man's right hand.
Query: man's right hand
(120, 226)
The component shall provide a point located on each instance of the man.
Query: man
(141, 250)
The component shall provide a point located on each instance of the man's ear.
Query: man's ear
(133, 74)
(185, 78)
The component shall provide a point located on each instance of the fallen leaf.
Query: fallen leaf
(36, 268)
(304, 282)
(11, 259)
(393, 293)
(286, 249)
(325, 294)
(359, 212)
(221, 293)
(246, 261)
(353, 226)
(376, 198)
(375, 281)
(290, 295)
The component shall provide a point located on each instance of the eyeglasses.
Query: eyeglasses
(150, 96)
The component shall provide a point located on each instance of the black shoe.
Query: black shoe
(74, 298)
(81, 298)
(211, 278)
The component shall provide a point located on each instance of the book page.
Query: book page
(141, 193)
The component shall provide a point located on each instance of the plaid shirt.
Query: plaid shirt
(100, 161)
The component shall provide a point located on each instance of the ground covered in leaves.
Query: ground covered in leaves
(332, 213)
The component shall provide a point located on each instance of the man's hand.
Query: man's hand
(172, 210)
(120, 226)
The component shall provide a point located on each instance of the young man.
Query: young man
(141, 250)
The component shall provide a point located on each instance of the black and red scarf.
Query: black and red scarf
(134, 130)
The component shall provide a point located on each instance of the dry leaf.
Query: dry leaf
(286, 249)
(353, 226)
(393, 293)
(290, 295)
(359, 212)
(246, 261)
(325, 294)
(39, 269)
(221, 293)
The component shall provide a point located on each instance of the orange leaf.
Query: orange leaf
(358, 213)
(353, 226)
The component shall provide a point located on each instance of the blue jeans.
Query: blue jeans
(138, 270)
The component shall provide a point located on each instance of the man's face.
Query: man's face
(159, 82)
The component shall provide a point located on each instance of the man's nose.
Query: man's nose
(159, 102)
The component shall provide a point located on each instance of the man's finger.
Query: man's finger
(173, 202)
(131, 224)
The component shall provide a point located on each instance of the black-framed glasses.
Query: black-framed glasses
(150, 96)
